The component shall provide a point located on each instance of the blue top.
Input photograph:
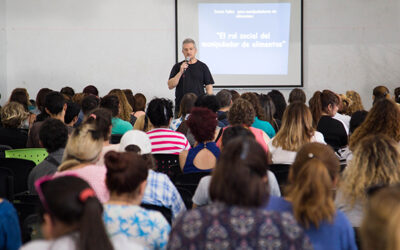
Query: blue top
(189, 166)
(119, 126)
(10, 234)
(264, 126)
(338, 235)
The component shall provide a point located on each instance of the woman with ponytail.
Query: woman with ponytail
(324, 106)
(309, 196)
(80, 155)
(124, 218)
(71, 216)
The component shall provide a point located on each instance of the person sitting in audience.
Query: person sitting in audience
(296, 131)
(312, 177)
(68, 93)
(185, 107)
(357, 118)
(71, 115)
(90, 90)
(140, 105)
(81, 153)
(224, 98)
(101, 119)
(119, 126)
(55, 106)
(279, 102)
(259, 120)
(297, 95)
(242, 113)
(380, 225)
(236, 219)
(324, 106)
(123, 216)
(202, 197)
(376, 161)
(164, 140)
(53, 136)
(356, 103)
(383, 118)
(40, 100)
(159, 190)
(10, 233)
(21, 96)
(71, 216)
(269, 109)
(203, 157)
(380, 92)
(131, 100)
(89, 103)
(143, 124)
(12, 116)
(125, 109)
(342, 113)
(397, 95)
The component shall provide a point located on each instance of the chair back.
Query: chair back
(281, 172)
(20, 170)
(6, 184)
(168, 164)
(166, 212)
(5, 147)
(37, 155)
(187, 184)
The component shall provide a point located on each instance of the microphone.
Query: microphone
(187, 60)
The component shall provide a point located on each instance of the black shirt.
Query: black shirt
(334, 132)
(193, 80)
(13, 137)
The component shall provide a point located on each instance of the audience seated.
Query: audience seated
(383, 118)
(89, 103)
(12, 116)
(125, 108)
(90, 90)
(164, 140)
(235, 94)
(259, 120)
(123, 216)
(159, 190)
(242, 113)
(140, 105)
(312, 177)
(68, 92)
(203, 157)
(53, 136)
(71, 216)
(269, 110)
(324, 106)
(357, 118)
(356, 103)
(296, 130)
(112, 103)
(81, 153)
(297, 95)
(143, 124)
(21, 96)
(342, 112)
(376, 161)
(55, 107)
(380, 225)
(10, 233)
(185, 107)
(235, 219)
(279, 102)
(202, 196)
(224, 98)
(397, 95)
(131, 100)
(380, 92)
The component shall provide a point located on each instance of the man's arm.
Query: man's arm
(173, 82)
(209, 89)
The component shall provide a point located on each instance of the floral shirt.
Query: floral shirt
(144, 227)
(219, 226)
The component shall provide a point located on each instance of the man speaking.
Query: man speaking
(190, 75)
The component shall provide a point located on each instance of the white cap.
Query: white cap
(138, 138)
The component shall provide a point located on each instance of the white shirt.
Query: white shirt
(281, 156)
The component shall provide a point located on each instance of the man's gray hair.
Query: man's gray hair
(189, 40)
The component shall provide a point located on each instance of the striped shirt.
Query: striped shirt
(167, 141)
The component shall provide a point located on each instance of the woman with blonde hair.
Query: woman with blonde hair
(383, 118)
(376, 161)
(125, 108)
(296, 130)
(12, 116)
(80, 156)
(309, 196)
(380, 226)
(356, 103)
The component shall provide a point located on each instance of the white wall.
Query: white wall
(3, 52)
(131, 44)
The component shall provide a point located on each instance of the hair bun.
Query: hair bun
(112, 161)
